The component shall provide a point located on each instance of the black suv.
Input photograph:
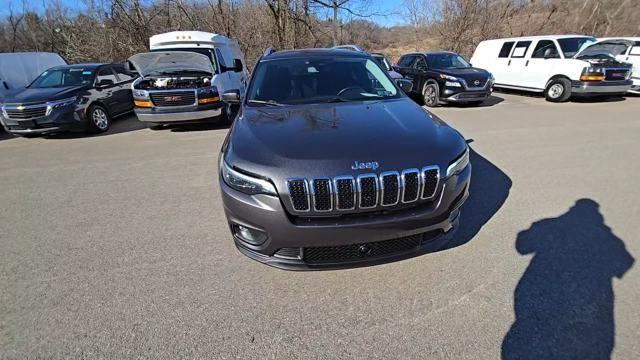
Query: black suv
(82, 97)
(445, 77)
(330, 164)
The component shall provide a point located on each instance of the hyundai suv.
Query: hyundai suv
(329, 164)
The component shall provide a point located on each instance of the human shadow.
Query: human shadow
(488, 191)
(564, 300)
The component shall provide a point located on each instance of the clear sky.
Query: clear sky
(386, 12)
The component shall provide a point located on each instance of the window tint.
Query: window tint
(420, 63)
(446, 61)
(545, 46)
(63, 77)
(405, 61)
(521, 49)
(506, 49)
(122, 74)
(106, 73)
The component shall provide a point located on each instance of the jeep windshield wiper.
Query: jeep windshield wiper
(265, 102)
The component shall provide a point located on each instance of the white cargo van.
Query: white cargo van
(626, 49)
(184, 74)
(557, 65)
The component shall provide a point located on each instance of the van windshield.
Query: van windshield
(446, 61)
(63, 77)
(206, 52)
(571, 46)
(319, 80)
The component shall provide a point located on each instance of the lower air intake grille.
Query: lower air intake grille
(299, 194)
(344, 253)
(345, 193)
(322, 194)
(288, 253)
(430, 177)
(390, 189)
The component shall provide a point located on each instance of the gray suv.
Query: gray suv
(329, 164)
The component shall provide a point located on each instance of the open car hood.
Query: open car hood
(170, 61)
(608, 45)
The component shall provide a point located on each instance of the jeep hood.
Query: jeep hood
(326, 139)
(170, 62)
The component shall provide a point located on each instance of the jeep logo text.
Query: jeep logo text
(365, 165)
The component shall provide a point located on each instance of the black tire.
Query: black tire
(99, 119)
(558, 90)
(155, 127)
(431, 95)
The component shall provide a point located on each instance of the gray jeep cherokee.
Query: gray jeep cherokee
(329, 164)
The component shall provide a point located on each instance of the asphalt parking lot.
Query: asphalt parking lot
(116, 246)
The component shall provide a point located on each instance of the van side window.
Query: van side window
(406, 60)
(521, 49)
(221, 61)
(545, 46)
(635, 50)
(506, 49)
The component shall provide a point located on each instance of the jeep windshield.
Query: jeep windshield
(74, 76)
(446, 61)
(571, 46)
(319, 80)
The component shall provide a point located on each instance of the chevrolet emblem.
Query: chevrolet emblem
(20, 108)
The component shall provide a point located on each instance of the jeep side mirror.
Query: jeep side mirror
(237, 65)
(405, 85)
(231, 97)
(105, 83)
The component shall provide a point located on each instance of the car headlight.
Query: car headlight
(459, 164)
(452, 84)
(143, 94)
(51, 105)
(449, 77)
(244, 183)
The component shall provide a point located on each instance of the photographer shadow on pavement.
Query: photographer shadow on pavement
(564, 301)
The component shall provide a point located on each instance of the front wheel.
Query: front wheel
(431, 95)
(99, 119)
(558, 90)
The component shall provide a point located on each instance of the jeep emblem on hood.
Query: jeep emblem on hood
(365, 165)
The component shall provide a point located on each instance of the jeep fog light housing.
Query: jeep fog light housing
(249, 235)
(459, 164)
(244, 183)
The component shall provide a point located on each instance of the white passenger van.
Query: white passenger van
(557, 66)
(183, 76)
(626, 49)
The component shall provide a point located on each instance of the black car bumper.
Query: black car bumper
(464, 95)
(326, 243)
(69, 118)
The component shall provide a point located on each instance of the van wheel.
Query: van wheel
(99, 119)
(558, 90)
(431, 95)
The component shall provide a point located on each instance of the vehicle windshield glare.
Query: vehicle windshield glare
(63, 77)
(303, 81)
(446, 61)
(571, 46)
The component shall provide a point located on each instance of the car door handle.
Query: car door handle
(509, 63)
(527, 63)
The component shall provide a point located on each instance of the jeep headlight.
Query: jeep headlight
(459, 164)
(244, 183)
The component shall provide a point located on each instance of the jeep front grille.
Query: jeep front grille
(367, 191)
